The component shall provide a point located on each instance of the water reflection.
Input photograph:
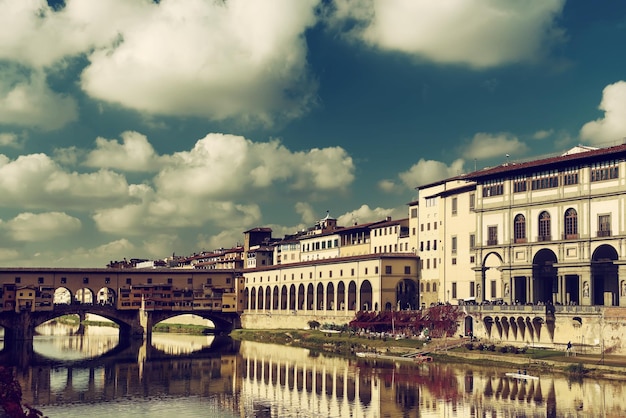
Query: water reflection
(204, 376)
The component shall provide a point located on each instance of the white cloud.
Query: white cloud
(365, 214)
(306, 212)
(135, 153)
(34, 34)
(611, 128)
(9, 255)
(543, 134)
(26, 100)
(227, 165)
(429, 171)
(477, 33)
(42, 226)
(35, 181)
(484, 146)
(9, 139)
(209, 59)
(388, 186)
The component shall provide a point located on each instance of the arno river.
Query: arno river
(193, 376)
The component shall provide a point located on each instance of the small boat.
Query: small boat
(521, 376)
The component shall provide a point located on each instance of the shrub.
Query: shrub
(469, 346)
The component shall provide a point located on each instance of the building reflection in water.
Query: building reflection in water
(254, 379)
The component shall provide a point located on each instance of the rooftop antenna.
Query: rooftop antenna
(507, 159)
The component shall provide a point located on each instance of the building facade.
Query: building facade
(547, 231)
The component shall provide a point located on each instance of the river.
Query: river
(192, 376)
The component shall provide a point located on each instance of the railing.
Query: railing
(542, 238)
(511, 309)
(492, 242)
(570, 236)
(604, 233)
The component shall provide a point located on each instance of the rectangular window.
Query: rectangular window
(129, 280)
(40, 280)
(421, 245)
(427, 263)
(387, 269)
(149, 280)
(570, 176)
(422, 227)
(413, 212)
(454, 295)
(472, 289)
(107, 280)
(453, 245)
(472, 201)
(453, 261)
(407, 269)
(493, 289)
(604, 225)
(189, 280)
(435, 225)
(434, 244)
(85, 280)
(545, 180)
(519, 184)
(18, 280)
(605, 170)
(493, 188)
(454, 205)
(472, 259)
(472, 241)
(170, 280)
(209, 281)
(434, 263)
(492, 235)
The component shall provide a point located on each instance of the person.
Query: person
(569, 348)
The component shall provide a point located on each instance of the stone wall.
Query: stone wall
(290, 319)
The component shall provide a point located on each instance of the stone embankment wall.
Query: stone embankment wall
(290, 320)
(595, 331)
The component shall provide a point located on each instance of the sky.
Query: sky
(142, 129)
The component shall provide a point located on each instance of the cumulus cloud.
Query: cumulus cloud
(41, 226)
(217, 60)
(365, 214)
(388, 186)
(34, 34)
(306, 212)
(611, 128)
(36, 181)
(209, 59)
(477, 33)
(135, 153)
(227, 165)
(9, 139)
(27, 100)
(543, 134)
(484, 146)
(429, 171)
(166, 212)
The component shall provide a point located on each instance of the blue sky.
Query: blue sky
(133, 128)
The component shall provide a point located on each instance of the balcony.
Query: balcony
(605, 233)
(520, 241)
(543, 238)
(492, 242)
(570, 236)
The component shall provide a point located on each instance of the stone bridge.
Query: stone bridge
(133, 324)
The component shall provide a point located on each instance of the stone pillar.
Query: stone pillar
(621, 275)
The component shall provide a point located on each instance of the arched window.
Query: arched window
(571, 224)
(544, 227)
(519, 228)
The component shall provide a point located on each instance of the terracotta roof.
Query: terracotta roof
(566, 158)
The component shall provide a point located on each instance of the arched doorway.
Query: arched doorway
(406, 294)
(545, 282)
(365, 295)
(492, 287)
(604, 276)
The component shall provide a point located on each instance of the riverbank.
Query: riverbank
(451, 350)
